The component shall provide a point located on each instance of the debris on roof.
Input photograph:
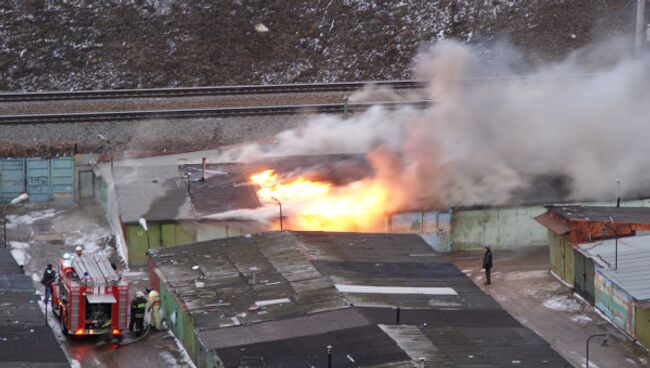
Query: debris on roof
(282, 297)
(630, 215)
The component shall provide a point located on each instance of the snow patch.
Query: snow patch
(582, 319)
(32, 217)
(562, 303)
(87, 238)
(184, 358)
(20, 251)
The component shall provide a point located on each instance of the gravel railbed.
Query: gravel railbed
(168, 103)
(200, 102)
(138, 137)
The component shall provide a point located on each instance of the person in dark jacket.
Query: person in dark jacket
(138, 306)
(487, 264)
(48, 278)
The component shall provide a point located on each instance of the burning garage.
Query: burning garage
(169, 204)
(292, 298)
(162, 206)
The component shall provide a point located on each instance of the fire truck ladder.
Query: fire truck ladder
(95, 271)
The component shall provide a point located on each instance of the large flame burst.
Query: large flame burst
(317, 205)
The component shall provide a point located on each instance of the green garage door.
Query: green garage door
(584, 276)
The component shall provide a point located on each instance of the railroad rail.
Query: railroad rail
(90, 117)
(205, 91)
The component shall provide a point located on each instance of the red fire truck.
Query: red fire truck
(87, 294)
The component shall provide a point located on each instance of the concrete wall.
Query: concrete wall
(433, 226)
(513, 227)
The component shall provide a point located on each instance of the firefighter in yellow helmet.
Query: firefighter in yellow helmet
(153, 306)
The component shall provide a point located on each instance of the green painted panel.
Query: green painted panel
(584, 276)
(136, 240)
(568, 262)
(615, 303)
(642, 326)
(188, 335)
(154, 235)
(556, 252)
(184, 235)
(178, 320)
(168, 235)
(176, 234)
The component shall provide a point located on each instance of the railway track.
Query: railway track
(204, 91)
(90, 117)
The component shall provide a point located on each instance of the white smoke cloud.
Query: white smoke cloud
(482, 142)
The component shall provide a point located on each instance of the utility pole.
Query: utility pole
(639, 40)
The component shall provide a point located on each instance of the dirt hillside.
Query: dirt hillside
(91, 44)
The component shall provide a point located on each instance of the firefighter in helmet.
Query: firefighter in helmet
(138, 306)
(153, 305)
(78, 251)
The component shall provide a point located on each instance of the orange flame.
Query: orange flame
(317, 205)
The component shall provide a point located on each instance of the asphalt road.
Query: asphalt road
(30, 235)
(523, 285)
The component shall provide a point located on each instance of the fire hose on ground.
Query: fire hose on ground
(139, 338)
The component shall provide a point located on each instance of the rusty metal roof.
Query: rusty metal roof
(553, 223)
(629, 215)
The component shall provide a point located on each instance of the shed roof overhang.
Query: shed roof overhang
(555, 225)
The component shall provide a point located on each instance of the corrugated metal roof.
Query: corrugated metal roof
(633, 273)
(630, 215)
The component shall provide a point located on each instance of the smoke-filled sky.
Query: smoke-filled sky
(483, 141)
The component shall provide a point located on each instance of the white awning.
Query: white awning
(101, 298)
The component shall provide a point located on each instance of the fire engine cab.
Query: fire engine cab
(89, 296)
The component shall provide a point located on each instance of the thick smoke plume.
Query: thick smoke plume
(486, 141)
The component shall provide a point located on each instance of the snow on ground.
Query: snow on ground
(20, 251)
(31, 217)
(562, 303)
(582, 319)
(87, 238)
(185, 360)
